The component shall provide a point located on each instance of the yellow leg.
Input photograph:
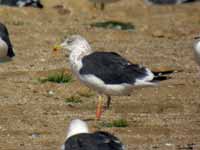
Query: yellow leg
(99, 107)
(108, 102)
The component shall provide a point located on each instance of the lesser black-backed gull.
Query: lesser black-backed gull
(6, 49)
(79, 138)
(22, 3)
(106, 72)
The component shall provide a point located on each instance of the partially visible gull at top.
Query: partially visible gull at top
(22, 3)
(102, 3)
(163, 2)
(6, 48)
(106, 72)
(80, 138)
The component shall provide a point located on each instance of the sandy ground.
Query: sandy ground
(166, 117)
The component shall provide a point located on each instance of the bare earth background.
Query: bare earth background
(166, 117)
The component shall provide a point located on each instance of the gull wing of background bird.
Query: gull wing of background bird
(3, 29)
(5, 36)
(22, 3)
(34, 3)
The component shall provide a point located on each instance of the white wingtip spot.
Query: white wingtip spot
(150, 75)
(146, 81)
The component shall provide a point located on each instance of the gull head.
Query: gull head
(76, 43)
(77, 126)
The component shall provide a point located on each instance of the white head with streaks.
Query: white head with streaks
(76, 43)
(77, 126)
(78, 48)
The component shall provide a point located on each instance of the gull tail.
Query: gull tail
(162, 75)
(153, 77)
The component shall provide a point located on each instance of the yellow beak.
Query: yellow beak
(57, 48)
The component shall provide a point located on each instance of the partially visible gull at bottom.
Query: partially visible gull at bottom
(79, 138)
(106, 72)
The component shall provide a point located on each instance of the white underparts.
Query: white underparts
(3, 49)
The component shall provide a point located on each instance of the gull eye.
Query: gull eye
(69, 41)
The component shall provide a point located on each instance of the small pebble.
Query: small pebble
(35, 135)
(168, 144)
(51, 93)
(22, 144)
(158, 33)
(42, 60)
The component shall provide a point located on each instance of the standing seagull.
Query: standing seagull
(106, 72)
(6, 49)
(79, 138)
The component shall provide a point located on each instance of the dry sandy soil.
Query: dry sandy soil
(166, 117)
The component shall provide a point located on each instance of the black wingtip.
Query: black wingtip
(36, 4)
(163, 75)
(161, 78)
(163, 72)
(11, 53)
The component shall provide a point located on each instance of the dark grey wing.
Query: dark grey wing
(81, 142)
(3, 29)
(112, 68)
(5, 36)
(108, 142)
(96, 141)
(8, 2)
(33, 3)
